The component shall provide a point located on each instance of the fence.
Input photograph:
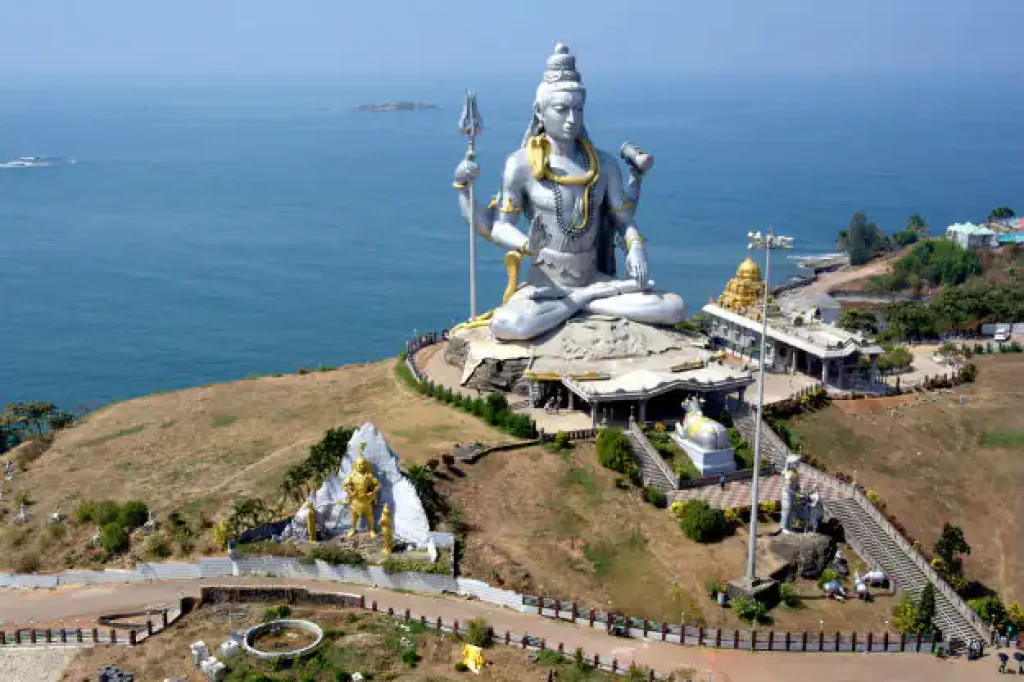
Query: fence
(214, 594)
(418, 343)
(749, 640)
(107, 630)
(578, 434)
(741, 475)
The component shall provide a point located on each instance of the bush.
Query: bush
(990, 609)
(613, 450)
(750, 610)
(701, 523)
(633, 471)
(676, 508)
(714, 586)
(827, 576)
(561, 440)
(107, 512)
(655, 497)
(519, 425)
(85, 511)
(480, 633)
(157, 545)
(461, 667)
(400, 566)
(336, 555)
(133, 514)
(410, 657)
(277, 612)
(113, 538)
(789, 595)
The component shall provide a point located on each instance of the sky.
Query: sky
(445, 37)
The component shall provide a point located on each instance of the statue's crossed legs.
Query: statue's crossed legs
(534, 310)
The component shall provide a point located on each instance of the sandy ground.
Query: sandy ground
(777, 387)
(924, 365)
(35, 664)
(725, 666)
(851, 278)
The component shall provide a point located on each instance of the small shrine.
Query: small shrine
(745, 290)
(705, 441)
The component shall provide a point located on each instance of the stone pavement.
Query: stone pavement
(35, 664)
(726, 666)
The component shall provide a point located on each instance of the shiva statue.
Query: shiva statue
(578, 210)
(362, 488)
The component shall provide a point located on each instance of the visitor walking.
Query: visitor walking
(721, 481)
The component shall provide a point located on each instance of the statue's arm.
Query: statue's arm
(617, 202)
(510, 204)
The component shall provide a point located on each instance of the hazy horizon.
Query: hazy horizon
(68, 39)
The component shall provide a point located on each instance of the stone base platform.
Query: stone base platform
(764, 590)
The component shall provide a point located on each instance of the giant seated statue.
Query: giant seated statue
(578, 211)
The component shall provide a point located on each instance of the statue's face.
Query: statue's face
(562, 114)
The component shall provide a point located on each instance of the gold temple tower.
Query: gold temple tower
(745, 290)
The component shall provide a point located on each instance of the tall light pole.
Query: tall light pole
(768, 242)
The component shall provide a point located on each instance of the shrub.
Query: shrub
(635, 477)
(85, 511)
(337, 555)
(732, 517)
(277, 612)
(873, 497)
(157, 545)
(461, 667)
(827, 576)
(789, 595)
(990, 609)
(701, 523)
(613, 450)
(655, 497)
(480, 633)
(107, 512)
(676, 508)
(968, 373)
(410, 657)
(400, 566)
(113, 538)
(26, 562)
(713, 586)
(133, 514)
(750, 610)
(519, 425)
(561, 440)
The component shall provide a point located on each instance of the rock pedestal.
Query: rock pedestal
(764, 590)
(807, 554)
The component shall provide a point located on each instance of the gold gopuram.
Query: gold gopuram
(362, 488)
(745, 290)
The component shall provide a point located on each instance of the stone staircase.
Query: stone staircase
(879, 549)
(653, 469)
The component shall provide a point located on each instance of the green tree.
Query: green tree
(991, 610)
(904, 615)
(613, 450)
(860, 239)
(909, 320)
(133, 514)
(950, 547)
(703, 523)
(113, 538)
(858, 320)
(926, 609)
(1001, 213)
(325, 456)
(29, 415)
(917, 223)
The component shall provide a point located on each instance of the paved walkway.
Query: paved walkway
(727, 666)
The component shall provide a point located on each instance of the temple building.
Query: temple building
(799, 339)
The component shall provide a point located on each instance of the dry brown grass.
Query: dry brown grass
(557, 524)
(198, 448)
(363, 640)
(924, 457)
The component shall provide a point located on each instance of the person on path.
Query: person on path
(721, 481)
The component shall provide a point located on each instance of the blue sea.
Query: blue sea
(213, 229)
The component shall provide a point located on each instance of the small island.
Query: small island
(397, 106)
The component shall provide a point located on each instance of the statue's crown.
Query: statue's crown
(561, 66)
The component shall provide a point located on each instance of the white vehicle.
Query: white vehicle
(1002, 334)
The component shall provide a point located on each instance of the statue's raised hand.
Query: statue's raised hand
(636, 263)
(466, 172)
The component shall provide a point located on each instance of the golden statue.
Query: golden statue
(473, 657)
(386, 528)
(745, 290)
(362, 487)
(311, 520)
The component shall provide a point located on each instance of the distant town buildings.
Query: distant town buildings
(971, 236)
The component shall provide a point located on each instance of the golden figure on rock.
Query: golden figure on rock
(362, 487)
(473, 658)
(311, 520)
(386, 528)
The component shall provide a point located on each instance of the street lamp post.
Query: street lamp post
(768, 242)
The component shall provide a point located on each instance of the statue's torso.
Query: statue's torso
(567, 249)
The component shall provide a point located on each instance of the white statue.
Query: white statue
(578, 210)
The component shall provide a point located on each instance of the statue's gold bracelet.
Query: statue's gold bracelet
(636, 238)
(459, 185)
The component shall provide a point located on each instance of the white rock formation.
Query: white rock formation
(333, 515)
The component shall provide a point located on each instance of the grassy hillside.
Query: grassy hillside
(952, 456)
(534, 520)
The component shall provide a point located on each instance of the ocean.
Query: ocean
(214, 229)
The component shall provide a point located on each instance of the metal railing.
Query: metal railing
(648, 451)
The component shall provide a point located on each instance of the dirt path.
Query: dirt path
(728, 666)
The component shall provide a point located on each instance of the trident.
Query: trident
(471, 125)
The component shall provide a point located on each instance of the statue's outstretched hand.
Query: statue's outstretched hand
(636, 263)
(466, 172)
